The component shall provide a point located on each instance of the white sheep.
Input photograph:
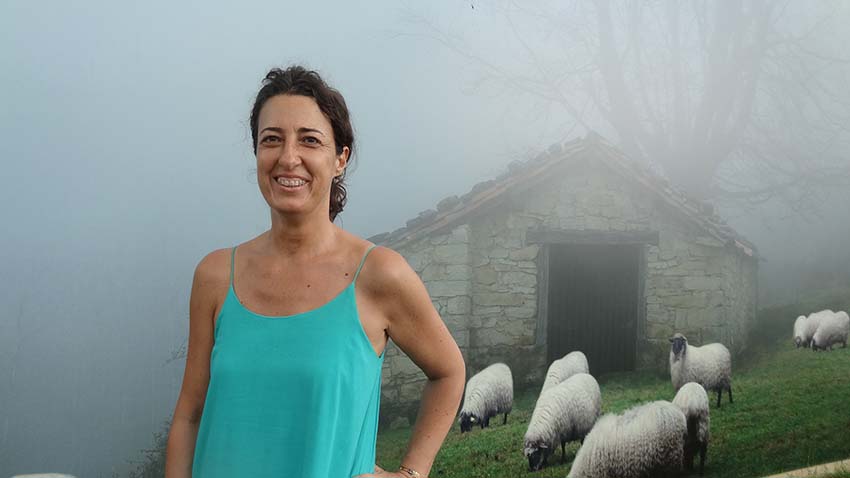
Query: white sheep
(709, 366)
(564, 368)
(646, 440)
(832, 330)
(488, 393)
(812, 323)
(692, 399)
(800, 331)
(564, 413)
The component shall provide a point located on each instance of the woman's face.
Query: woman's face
(296, 155)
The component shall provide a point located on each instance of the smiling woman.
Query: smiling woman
(284, 378)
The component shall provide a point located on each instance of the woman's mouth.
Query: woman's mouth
(290, 184)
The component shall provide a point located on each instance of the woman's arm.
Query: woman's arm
(416, 327)
(206, 288)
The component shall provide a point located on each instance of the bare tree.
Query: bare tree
(734, 100)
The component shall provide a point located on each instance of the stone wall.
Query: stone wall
(482, 277)
(699, 287)
(504, 297)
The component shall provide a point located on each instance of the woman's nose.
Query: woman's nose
(289, 154)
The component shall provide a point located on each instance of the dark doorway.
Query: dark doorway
(593, 304)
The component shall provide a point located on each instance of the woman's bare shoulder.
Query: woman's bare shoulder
(383, 266)
(385, 269)
(387, 260)
(212, 274)
(380, 259)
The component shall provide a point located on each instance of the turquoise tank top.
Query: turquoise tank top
(290, 396)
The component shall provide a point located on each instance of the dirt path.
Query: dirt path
(815, 470)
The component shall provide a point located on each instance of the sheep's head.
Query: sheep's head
(679, 343)
(799, 325)
(536, 452)
(466, 421)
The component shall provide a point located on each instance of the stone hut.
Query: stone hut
(579, 248)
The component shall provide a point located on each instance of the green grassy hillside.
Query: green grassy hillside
(791, 410)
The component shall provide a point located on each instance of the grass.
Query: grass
(791, 410)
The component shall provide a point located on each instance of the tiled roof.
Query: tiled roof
(521, 175)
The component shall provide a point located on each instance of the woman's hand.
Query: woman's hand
(381, 473)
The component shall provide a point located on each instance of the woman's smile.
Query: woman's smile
(290, 184)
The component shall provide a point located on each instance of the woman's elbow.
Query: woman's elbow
(457, 368)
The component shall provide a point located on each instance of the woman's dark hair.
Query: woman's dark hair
(297, 80)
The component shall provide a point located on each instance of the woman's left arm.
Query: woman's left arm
(417, 329)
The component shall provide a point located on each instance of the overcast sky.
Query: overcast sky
(127, 157)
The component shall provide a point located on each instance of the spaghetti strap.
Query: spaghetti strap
(232, 257)
(362, 261)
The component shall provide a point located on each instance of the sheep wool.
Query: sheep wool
(488, 393)
(799, 331)
(812, 323)
(646, 440)
(564, 413)
(692, 399)
(564, 368)
(709, 366)
(832, 330)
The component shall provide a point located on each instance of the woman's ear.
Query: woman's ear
(342, 160)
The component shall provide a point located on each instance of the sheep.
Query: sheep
(646, 440)
(564, 368)
(832, 330)
(565, 412)
(812, 323)
(799, 331)
(488, 393)
(709, 366)
(693, 401)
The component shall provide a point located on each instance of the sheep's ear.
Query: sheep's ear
(671, 339)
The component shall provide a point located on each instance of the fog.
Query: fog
(127, 158)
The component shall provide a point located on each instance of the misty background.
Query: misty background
(127, 157)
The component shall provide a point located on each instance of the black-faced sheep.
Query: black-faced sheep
(832, 330)
(564, 368)
(692, 399)
(800, 331)
(564, 413)
(709, 366)
(811, 325)
(488, 393)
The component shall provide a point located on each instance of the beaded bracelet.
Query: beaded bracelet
(412, 473)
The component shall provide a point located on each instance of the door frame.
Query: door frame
(546, 237)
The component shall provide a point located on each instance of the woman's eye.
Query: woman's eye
(311, 140)
(270, 139)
